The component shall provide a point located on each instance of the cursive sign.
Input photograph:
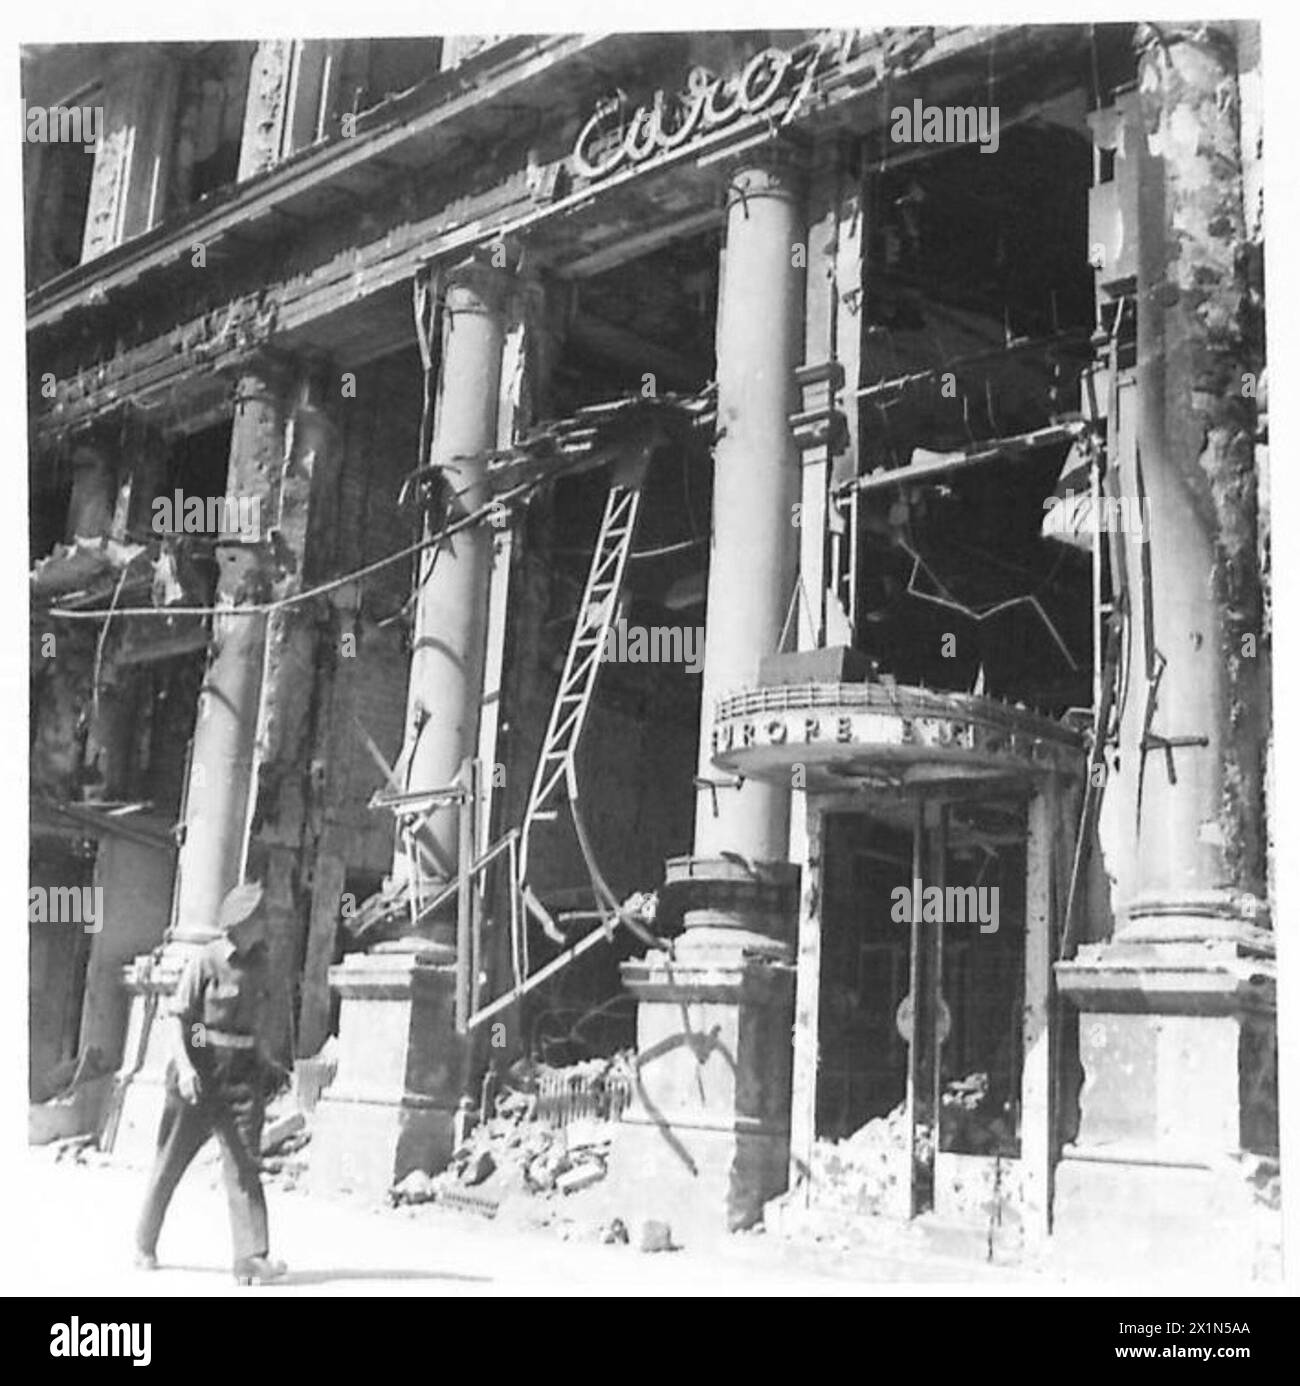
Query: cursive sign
(610, 139)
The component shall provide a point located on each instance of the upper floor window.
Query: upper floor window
(378, 68)
(57, 176)
(212, 95)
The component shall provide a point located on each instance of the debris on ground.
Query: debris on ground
(277, 1134)
(548, 1138)
(614, 1233)
(285, 1136)
(74, 1149)
(866, 1172)
(416, 1187)
(656, 1236)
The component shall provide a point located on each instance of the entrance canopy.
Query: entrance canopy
(883, 736)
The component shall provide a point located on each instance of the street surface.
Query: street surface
(74, 1223)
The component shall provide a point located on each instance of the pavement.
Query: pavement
(75, 1221)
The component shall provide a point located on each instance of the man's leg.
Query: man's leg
(239, 1129)
(181, 1133)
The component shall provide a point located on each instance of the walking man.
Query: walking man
(216, 1079)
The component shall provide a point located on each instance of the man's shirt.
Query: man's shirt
(224, 991)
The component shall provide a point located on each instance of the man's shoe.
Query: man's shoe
(146, 1260)
(258, 1270)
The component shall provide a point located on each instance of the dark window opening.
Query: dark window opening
(210, 121)
(979, 310)
(865, 976)
(59, 178)
(375, 69)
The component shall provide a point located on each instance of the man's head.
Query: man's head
(241, 916)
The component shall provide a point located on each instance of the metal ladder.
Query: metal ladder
(581, 665)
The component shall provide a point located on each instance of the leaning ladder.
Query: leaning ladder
(554, 779)
(553, 775)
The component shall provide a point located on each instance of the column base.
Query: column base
(1121, 1216)
(401, 1073)
(1177, 1044)
(703, 1182)
(1178, 1109)
(706, 1140)
(365, 1148)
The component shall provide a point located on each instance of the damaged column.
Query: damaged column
(217, 814)
(710, 1124)
(401, 1063)
(448, 643)
(1177, 1008)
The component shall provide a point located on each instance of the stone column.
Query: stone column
(708, 1134)
(401, 1063)
(756, 482)
(450, 633)
(217, 803)
(269, 81)
(1177, 1009)
(284, 789)
(217, 807)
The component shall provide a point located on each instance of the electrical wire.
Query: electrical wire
(357, 575)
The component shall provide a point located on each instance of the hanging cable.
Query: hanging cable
(945, 598)
(492, 507)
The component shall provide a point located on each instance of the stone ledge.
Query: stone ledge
(751, 981)
(1155, 982)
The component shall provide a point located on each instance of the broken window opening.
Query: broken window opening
(975, 936)
(976, 338)
(213, 94)
(372, 70)
(57, 182)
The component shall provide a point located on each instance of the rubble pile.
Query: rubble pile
(867, 1171)
(284, 1140)
(548, 1137)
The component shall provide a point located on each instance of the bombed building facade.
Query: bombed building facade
(743, 549)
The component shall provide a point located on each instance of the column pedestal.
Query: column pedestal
(402, 1066)
(1178, 1110)
(401, 1070)
(706, 1141)
(1177, 1031)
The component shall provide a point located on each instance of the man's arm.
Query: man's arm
(187, 1076)
(185, 1011)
